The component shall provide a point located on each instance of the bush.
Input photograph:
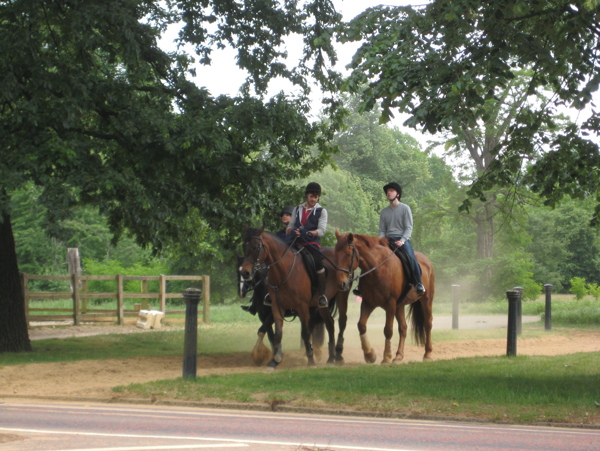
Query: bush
(594, 290)
(578, 287)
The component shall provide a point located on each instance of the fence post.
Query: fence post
(144, 289)
(521, 290)
(190, 340)
(120, 301)
(76, 299)
(455, 306)
(162, 297)
(511, 338)
(548, 312)
(206, 299)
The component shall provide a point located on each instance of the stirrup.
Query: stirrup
(267, 301)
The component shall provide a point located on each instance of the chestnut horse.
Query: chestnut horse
(289, 286)
(260, 353)
(383, 284)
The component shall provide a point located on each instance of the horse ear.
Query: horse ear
(337, 233)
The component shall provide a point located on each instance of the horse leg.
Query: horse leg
(329, 324)
(277, 349)
(402, 331)
(388, 331)
(260, 353)
(305, 334)
(342, 322)
(428, 319)
(368, 351)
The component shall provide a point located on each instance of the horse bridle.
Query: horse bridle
(257, 264)
(350, 271)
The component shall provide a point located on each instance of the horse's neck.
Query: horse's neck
(371, 255)
(279, 259)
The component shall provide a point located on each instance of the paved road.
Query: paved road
(32, 426)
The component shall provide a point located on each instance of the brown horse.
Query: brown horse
(289, 286)
(383, 284)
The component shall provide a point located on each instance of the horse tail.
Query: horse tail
(316, 325)
(418, 322)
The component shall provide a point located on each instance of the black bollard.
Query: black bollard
(511, 339)
(190, 340)
(519, 310)
(548, 313)
(455, 306)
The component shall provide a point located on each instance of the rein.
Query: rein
(267, 267)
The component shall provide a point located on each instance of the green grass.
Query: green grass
(520, 390)
(566, 310)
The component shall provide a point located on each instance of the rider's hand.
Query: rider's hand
(399, 243)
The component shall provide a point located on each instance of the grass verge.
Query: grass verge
(522, 390)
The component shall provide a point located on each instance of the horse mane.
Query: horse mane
(251, 232)
(370, 241)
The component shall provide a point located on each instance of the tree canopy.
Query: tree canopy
(444, 62)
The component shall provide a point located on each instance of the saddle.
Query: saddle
(309, 264)
(404, 259)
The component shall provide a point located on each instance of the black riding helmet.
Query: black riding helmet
(313, 188)
(286, 210)
(396, 187)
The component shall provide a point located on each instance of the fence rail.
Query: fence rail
(79, 294)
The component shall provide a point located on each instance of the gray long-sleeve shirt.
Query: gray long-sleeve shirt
(396, 221)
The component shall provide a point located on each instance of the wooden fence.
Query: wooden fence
(82, 312)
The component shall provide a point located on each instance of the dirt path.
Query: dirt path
(93, 379)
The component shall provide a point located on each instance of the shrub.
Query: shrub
(578, 287)
(594, 290)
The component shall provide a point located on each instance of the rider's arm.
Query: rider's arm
(322, 226)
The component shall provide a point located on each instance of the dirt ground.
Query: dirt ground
(93, 380)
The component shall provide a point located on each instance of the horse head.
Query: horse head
(254, 253)
(347, 259)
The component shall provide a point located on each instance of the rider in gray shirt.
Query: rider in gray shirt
(396, 224)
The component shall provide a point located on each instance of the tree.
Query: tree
(565, 246)
(95, 113)
(445, 62)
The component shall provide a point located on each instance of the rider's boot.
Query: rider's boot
(420, 289)
(321, 281)
(249, 308)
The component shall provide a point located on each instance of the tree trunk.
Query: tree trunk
(14, 336)
(485, 241)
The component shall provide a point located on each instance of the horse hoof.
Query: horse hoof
(272, 364)
(386, 361)
(427, 358)
(330, 361)
(269, 369)
(371, 357)
(339, 360)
